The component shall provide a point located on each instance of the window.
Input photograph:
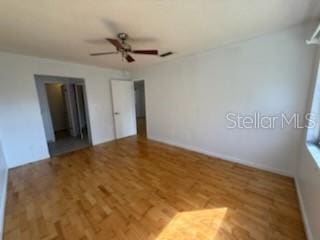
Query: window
(313, 131)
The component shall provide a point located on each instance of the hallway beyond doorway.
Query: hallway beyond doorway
(140, 104)
(65, 143)
(64, 112)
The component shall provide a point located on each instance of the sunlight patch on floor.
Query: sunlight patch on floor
(202, 224)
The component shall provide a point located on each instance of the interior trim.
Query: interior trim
(303, 211)
(224, 157)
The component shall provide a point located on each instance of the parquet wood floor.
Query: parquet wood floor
(139, 189)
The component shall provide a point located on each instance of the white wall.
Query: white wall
(21, 123)
(187, 98)
(57, 106)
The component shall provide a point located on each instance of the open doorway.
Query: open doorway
(64, 111)
(140, 108)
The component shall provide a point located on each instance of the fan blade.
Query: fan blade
(102, 53)
(96, 41)
(129, 58)
(142, 39)
(115, 43)
(151, 52)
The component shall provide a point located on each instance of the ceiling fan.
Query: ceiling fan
(124, 48)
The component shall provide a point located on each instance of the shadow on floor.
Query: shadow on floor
(65, 143)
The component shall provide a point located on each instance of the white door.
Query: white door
(123, 108)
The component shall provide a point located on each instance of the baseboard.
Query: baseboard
(45, 157)
(3, 203)
(106, 140)
(224, 157)
(303, 211)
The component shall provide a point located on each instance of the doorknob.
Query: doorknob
(116, 113)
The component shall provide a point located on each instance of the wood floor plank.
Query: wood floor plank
(140, 189)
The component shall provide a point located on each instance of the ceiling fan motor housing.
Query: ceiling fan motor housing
(123, 36)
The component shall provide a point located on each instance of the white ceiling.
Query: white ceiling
(69, 30)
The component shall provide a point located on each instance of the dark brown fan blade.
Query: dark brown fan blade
(150, 52)
(102, 53)
(129, 58)
(115, 43)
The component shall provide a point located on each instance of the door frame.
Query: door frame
(41, 81)
(145, 103)
(76, 89)
(45, 109)
(78, 100)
